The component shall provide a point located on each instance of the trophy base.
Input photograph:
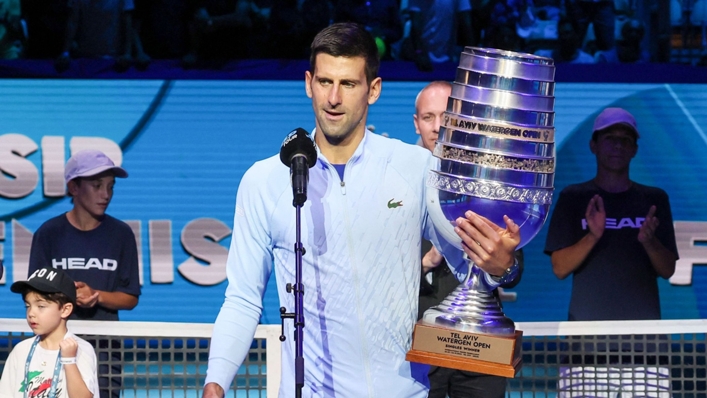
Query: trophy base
(474, 352)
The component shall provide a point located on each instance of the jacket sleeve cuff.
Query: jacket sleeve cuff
(221, 372)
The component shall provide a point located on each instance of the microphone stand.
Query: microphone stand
(298, 315)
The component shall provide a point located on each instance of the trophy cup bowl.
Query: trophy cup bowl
(495, 155)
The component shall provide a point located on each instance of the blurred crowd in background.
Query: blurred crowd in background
(204, 33)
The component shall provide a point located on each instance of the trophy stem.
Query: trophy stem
(471, 307)
(473, 278)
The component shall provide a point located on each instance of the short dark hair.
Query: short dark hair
(77, 181)
(347, 39)
(59, 298)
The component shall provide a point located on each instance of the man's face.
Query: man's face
(614, 148)
(93, 194)
(340, 96)
(429, 111)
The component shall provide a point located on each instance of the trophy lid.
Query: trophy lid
(517, 65)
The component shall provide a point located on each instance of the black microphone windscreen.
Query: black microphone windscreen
(298, 142)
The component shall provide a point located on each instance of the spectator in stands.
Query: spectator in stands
(161, 26)
(435, 27)
(480, 18)
(46, 27)
(614, 235)
(381, 18)
(11, 30)
(98, 251)
(56, 363)
(501, 30)
(568, 46)
(600, 13)
(286, 31)
(628, 48)
(538, 24)
(98, 29)
(139, 16)
(362, 227)
(293, 24)
(437, 280)
(223, 30)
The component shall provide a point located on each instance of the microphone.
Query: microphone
(299, 153)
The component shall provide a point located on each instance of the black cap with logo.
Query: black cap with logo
(48, 280)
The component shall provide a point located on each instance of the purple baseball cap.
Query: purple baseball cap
(89, 162)
(611, 116)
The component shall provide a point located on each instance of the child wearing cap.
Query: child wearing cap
(96, 250)
(56, 363)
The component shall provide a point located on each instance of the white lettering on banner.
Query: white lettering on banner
(200, 239)
(19, 177)
(691, 239)
(53, 159)
(612, 223)
(21, 243)
(136, 227)
(161, 259)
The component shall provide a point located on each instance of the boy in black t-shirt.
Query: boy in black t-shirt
(615, 237)
(606, 232)
(98, 251)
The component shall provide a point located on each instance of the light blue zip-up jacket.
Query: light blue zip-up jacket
(361, 270)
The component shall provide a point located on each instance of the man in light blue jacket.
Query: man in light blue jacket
(362, 226)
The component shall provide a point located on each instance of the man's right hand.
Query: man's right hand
(596, 216)
(212, 390)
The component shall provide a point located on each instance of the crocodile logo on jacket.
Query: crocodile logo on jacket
(392, 205)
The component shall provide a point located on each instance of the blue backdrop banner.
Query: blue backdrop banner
(186, 144)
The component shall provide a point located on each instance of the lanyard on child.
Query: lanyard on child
(55, 377)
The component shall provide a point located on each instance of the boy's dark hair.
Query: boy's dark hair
(347, 39)
(77, 180)
(59, 298)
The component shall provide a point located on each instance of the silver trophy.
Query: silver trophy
(495, 155)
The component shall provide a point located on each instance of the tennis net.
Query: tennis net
(560, 359)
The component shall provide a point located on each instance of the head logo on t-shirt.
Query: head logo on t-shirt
(614, 223)
(105, 264)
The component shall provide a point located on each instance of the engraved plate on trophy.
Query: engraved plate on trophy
(495, 155)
